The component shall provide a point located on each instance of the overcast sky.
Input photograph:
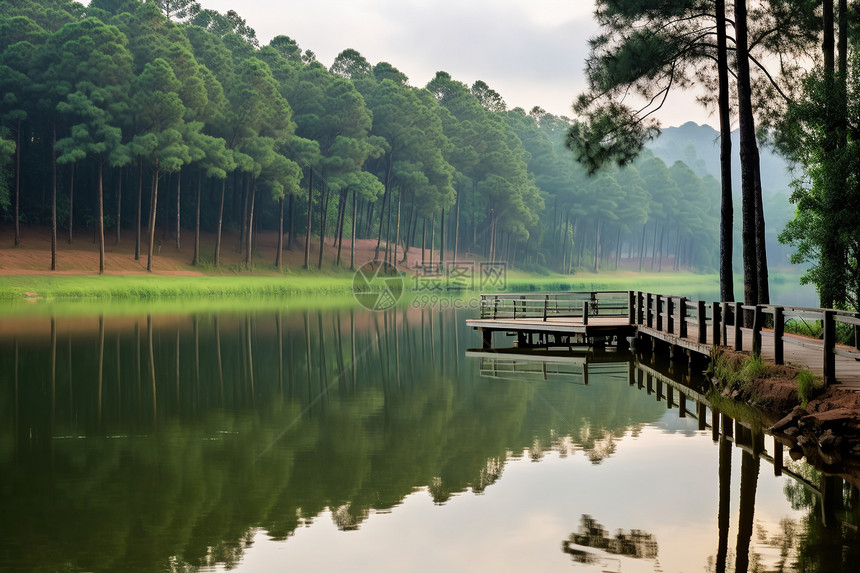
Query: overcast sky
(530, 51)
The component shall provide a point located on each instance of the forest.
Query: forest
(164, 118)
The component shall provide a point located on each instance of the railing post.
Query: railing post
(631, 309)
(585, 312)
(658, 304)
(545, 305)
(758, 315)
(738, 317)
(682, 316)
(724, 323)
(649, 310)
(670, 315)
(495, 307)
(703, 321)
(778, 331)
(829, 328)
(718, 316)
(640, 310)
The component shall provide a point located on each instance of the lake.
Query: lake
(350, 440)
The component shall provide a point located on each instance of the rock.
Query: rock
(837, 418)
(790, 420)
(792, 431)
(795, 453)
(808, 444)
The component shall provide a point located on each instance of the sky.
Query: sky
(532, 52)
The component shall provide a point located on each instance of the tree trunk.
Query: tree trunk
(310, 220)
(101, 218)
(354, 225)
(139, 209)
(384, 201)
(442, 239)
(280, 251)
(18, 184)
(727, 288)
(54, 198)
(432, 237)
(324, 198)
(153, 206)
(654, 248)
(749, 156)
(423, 239)
(118, 204)
(829, 256)
(246, 199)
(597, 246)
(342, 208)
(618, 248)
(642, 246)
(457, 226)
(220, 224)
(71, 201)
(178, 195)
(196, 259)
(248, 243)
(291, 224)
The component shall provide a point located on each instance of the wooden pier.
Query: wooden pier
(682, 328)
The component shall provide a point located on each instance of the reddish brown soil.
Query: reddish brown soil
(33, 255)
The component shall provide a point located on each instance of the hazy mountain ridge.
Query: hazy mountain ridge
(699, 147)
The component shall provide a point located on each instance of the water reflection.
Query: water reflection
(166, 443)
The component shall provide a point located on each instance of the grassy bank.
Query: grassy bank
(151, 287)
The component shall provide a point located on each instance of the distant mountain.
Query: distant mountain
(699, 147)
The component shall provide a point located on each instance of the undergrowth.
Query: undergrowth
(809, 386)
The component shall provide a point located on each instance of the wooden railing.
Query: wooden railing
(674, 315)
(546, 306)
(689, 319)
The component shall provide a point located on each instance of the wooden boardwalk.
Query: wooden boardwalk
(567, 319)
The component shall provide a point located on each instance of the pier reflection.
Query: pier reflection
(827, 536)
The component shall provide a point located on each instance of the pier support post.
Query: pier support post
(682, 317)
(631, 309)
(829, 328)
(640, 302)
(486, 338)
(778, 332)
(717, 317)
(682, 405)
(738, 318)
(777, 457)
(758, 320)
(715, 424)
(649, 310)
(670, 315)
(658, 310)
(724, 322)
(585, 313)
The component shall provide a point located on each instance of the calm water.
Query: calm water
(358, 441)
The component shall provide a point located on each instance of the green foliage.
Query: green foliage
(808, 386)
(736, 372)
(170, 87)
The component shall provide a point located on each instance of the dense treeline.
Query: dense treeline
(158, 118)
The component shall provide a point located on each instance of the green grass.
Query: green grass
(153, 287)
(739, 373)
(808, 386)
